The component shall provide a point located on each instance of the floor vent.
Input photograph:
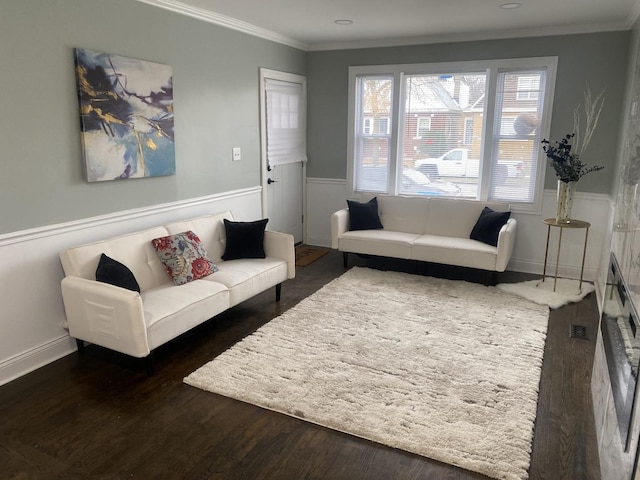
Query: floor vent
(579, 332)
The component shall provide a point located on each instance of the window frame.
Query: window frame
(492, 68)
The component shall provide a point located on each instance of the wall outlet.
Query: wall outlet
(236, 154)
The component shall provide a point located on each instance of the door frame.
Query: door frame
(285, 77)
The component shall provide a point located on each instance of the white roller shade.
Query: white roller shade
(286, 122)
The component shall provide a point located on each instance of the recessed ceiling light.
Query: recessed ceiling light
(510, 6)
(343, 21)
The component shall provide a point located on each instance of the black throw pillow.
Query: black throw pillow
(113, 272)
(244, 239)
(488, 226)
(364, 216)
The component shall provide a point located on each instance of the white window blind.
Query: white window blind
(286, 122)
(453, 103)
(373, 133)
(516, 135)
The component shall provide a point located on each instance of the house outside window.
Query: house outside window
(528, 87)
(423, 126)
(474, 112)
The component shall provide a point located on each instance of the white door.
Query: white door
(285, 199)
(283, 136)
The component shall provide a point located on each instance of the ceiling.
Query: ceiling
(309, 24)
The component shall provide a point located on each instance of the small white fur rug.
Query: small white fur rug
(445, 369)
(567, 291)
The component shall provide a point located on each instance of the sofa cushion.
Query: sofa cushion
(244, 239)
(488, 226)
(247, 277)
(113, 272)
(210, 231)
(456, 217)
(462, 252)
(170, 311)
(364, 216)
(184, 257)
(133, 250)
(378, 242)
(403, 214)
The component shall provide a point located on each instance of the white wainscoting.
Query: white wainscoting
(325, 196)
(30, 273)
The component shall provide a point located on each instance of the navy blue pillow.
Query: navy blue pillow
(364, 216)
(244, 239)
(113, 272)
(488, 226)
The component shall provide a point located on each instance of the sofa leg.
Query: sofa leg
(491, 279)
(150, 364)
(345, 259)
(278, 292)
(80, 344)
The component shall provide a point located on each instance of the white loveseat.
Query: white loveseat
(136, 323)
(429, 229)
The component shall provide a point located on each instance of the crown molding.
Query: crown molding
(475, 36)
(181, 8)
(225, 21)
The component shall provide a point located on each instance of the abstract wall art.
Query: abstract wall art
(126, 112)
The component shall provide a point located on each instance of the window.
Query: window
(373, 144)
(367, 126)
(457, 129)
(286, 130)
(468, 131)
(423, 126)
(528, 87)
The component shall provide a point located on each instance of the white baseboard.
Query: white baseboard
(34, 358)
(564, 271)
(319, 241)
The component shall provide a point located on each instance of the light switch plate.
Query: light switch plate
(236, 154)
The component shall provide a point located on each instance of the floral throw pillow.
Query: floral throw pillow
(184, 257)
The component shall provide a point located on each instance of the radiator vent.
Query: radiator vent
(579, 332)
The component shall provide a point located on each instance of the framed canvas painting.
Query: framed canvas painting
(126, 113)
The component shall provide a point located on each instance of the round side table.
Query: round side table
(551, 222)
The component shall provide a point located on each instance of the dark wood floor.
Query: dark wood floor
(100, 416)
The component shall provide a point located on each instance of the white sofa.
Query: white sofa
(136, 323)
(429, 229)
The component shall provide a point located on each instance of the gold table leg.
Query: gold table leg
(555, 279)
(584, 253)
(546, 253)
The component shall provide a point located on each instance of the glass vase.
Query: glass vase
(566, 192)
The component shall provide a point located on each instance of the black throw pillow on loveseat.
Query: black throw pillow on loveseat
(244, 239)
(113, 272)
(488, 226)
(364, 216)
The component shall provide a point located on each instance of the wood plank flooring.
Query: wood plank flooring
(98, 416)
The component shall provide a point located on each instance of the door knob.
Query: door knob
(269, 181)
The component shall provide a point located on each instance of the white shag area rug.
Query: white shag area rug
(567, 291)
(444, 369)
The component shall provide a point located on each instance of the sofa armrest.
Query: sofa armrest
(281, 245)
(506, 240)
(106, 315)
(339, 225)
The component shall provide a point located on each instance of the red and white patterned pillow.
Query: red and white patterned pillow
(184, 257)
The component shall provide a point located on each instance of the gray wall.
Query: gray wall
(216, 101)
(600, 59)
